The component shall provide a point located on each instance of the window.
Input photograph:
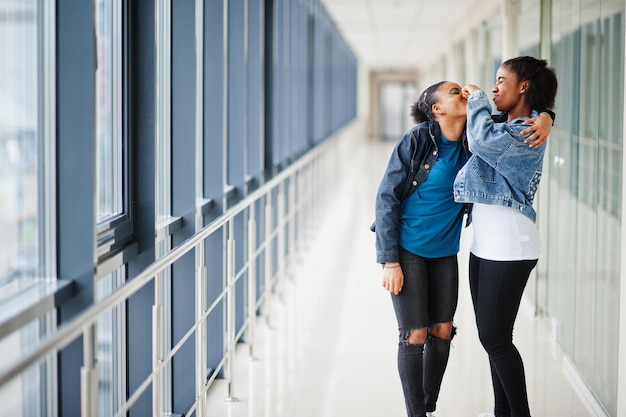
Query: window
(113, 222)
(111, 348)
(27, 252)
(114, 227)
(20, 142)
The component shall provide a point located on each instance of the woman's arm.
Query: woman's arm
(486, 138)
(388, 201)
(540, 129)
(490, 141)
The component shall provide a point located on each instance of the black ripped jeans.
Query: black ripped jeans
(429, 295)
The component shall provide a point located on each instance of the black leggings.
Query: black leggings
(497, 288)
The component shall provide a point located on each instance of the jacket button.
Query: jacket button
(426, 166)
(434, 152)
(414, 183)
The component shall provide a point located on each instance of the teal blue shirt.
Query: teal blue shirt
(431, 221)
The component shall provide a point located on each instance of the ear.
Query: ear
(524, 87)
(437, 109)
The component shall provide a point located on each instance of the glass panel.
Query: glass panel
(110, 191)
(22, 210)
(24, 395)
(529, 27)
(395, 99)
(586, 180)
(236, 153)
(528, 37)
(163, 173)
(163, 112)
(493, 53)
(563, 178)
(20, 139)
(109, 139)
(609, 223)
(110, 350)
(586, 193)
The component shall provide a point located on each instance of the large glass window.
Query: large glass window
(529, 28)
(26, 192)
(20, 138)
(27, 395)
(529, 43)
(111, 348)
(163, 191)
(606, 302)
(109, 138)
(112, 188)
(113, 216)
(395, 98)
(585, 224)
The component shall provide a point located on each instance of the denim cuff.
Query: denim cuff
(387, 256)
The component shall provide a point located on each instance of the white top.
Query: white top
(503, 234)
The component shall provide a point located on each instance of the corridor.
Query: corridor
(327, 345)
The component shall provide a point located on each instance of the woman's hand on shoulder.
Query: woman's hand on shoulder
(540, 129)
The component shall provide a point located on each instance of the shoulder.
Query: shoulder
(417, 140)
(419, 129)
(521, 123)
(424, 131)
(416, 136)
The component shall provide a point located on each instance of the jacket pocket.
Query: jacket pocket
(484, 171)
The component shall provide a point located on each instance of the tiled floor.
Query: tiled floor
(327, 347)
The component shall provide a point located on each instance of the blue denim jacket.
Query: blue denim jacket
(410, 163)
(503, 169)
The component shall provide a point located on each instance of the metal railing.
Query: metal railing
(298, 191)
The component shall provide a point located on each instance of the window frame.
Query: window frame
(115, 234)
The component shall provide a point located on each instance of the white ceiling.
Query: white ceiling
(395, 34)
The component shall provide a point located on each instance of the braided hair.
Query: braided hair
(422, 109)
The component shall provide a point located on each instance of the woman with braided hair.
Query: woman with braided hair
(418, 227)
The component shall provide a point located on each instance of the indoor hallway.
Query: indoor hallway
(326, 346)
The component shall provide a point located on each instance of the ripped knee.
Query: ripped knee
(445, 331)
(416, 336)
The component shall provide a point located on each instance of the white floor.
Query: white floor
(327, 344)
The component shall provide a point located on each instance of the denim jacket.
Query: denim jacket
(503, 169)
(410, 163)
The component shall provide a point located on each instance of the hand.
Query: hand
(393, 278)
(469, 89)
(540, 129)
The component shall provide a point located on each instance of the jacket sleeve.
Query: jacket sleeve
(388, 201)
(487, 139)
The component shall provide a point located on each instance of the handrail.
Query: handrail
(70, 331)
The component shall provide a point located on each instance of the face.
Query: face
(507, 90)
(450, 101)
